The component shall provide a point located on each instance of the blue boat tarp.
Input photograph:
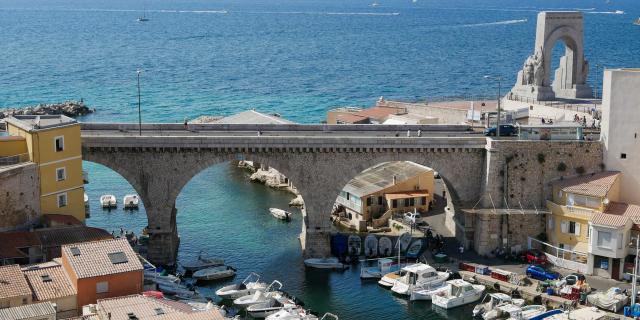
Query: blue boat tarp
(339, 245)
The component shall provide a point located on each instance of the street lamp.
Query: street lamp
(499, 80)
(139, 112)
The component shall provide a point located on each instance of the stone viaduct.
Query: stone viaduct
(318, 159)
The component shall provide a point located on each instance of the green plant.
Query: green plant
(541, 158)
(562, 167)
(580, 170)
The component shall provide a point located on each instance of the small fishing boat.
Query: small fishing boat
(324, 263)
(375, 4)
(637, 22)
(108, 201)
(157, 277)
(385, 247)
(280, 214)
(384, 266)
(260, 296)
(298, 314)
(202, 263)
(131, 201)
(458, 293)
(427, 293)
(488, 308)
(176, 289)
(404, 241)
(354, 244)
(414, 249)
(370, 246)
(522, 312)
(214, 273)
(271, 306)
(419, 276)
(389, 279)
(247, 287)
(618, 12)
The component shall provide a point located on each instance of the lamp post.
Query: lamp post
(499, 80)
(139, 112)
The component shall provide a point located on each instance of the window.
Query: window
(61, 174)
(406, 202)
(561, 245)
(412, 202)
(601, 262)
(62, 200)
(348, 196)
(59, 142)
(46, 278)
(75, 251)
(423, 201)
(551, 224)
(623, 156)
(572, 227)
(394, 203)
(369, 201)
(102, 287)
(380, 201)
(604, 240)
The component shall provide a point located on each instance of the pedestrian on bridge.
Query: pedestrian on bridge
(419, 133)
(408, 133)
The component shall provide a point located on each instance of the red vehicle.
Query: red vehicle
(535, 256)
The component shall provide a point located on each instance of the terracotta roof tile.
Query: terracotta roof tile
(41, 310)
(61, 219)
(12, 282)
(94, 259)
(149, 308)
(52, 237)
(609, 220)
(595, 185)
(49, 283)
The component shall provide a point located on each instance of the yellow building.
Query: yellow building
(390, 187)
(53, 143)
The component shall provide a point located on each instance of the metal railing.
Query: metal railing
(11, 160)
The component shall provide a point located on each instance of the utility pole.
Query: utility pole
(139, 112)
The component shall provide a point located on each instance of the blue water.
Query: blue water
(297, 58)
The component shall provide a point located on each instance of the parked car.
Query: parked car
(534, 256)
(505, 130)
(540, 273)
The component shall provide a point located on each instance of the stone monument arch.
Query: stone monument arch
(570, 79)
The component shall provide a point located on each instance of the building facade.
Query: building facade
(53, 143)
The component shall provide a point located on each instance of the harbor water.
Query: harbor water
(297, 58)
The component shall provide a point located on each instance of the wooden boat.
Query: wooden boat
(271, 306)
(385, 247)
(247, 287)
(419, 276)
(202, 263)
(260, 296)
(214, 273)
(108, 201)
(370, 246)
(280, 214)
(384, 266)
(414, 249)
(458, 293)
(354, 243)
(131, 201)
(324, 263)
(488, 308)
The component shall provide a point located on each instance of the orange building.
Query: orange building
(102, 269)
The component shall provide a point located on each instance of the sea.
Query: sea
(298, 58)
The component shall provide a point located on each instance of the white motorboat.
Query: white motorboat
(414, 249)
(375, 4)
(298, 314)
(280, 214)
(131, 201)
(370, 246)
(404, 240)
(108, 201)
(214, 273)
(419, 276)
(389, 279)
(522, 312)
(247, 287)
(202, 263)
(354, 243)
(384, 266)
(427, 293)
(637, 22)
(86, 200)
(385, 247)
(488, 308)
(324, 263)
(153, 276)
(260, 296)
(271, 306)
(458, 293)
(177, 289)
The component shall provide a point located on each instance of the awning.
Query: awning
(406, 195)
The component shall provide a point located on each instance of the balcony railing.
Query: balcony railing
(11, 160)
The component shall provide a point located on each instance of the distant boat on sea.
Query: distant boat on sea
(144, 17)
(375, 4)
(637, 22)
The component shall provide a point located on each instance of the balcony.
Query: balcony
(572, 211)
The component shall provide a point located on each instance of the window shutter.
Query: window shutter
(577, 228)
(564, 227)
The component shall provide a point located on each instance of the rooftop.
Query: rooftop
(617, 214)
(148, 308)
(13, 283)
(39, 122)
(49, 282)
(11, 244)
(61, 219)
(253, 117)
(100, 258)
(594, 185)
(31, 311)
(52, 237)
(382, 175)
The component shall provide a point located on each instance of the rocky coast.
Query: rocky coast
(68, 108)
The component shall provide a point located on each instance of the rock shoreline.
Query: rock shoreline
(272, 178)
(68, 108)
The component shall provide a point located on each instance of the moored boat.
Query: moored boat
(354, 244)
(280, 214)
(247, 287)
(299, 314)
(259, 296)
(488, 308)
(202, 263)
(274, 304)
(637, 22)
(389, 279)
(131, 201)
(384, 266)
(414, 249)
(427, 293)
(419, 276)
(324, 263)
(458, 293)
(404, 240)
(214, 273)
(523, 312)
(370, 246)
(108, 201)
(385, 247)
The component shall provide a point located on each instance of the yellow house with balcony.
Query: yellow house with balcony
(53, 143)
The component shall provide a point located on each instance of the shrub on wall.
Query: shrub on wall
(580, 170)
(562, 167)
(541, 158)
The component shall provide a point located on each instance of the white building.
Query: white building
(620, 128)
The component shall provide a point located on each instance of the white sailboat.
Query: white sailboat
(458, 293)
(419, 276)
(247, 287)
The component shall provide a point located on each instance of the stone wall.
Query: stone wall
(19, 196)
(509, 231)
